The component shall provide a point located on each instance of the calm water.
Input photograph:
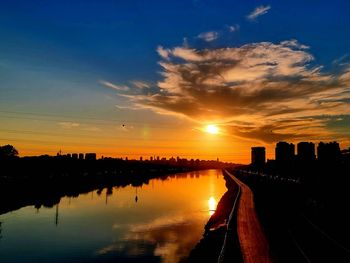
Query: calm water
(158, 222)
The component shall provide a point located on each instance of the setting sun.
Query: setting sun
(198, 131)
(212, 129)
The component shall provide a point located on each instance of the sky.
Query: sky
(145, 78)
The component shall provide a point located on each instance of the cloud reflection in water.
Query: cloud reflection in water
(165, 238)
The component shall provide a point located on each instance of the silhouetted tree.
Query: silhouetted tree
(8, 151)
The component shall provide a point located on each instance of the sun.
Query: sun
(212, 129)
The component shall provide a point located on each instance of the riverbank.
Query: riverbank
(303, 222)
(42, 181)
(209, 247)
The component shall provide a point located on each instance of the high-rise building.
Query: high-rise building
(328, 152)
(90, 156)
(81, 156)
(284, 152)
(306, 151)
(75, 156)
(258, 157)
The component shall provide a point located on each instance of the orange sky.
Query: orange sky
(131, 85)
(177, 137)
(156, 135)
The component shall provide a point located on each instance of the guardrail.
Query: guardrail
(229, 224)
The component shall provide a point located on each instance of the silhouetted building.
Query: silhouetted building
(258, 157)
(81, 156)
(75, 156)
(346, 155)
(328, 152)
(306, 151)
(284, 152)
(90, 156)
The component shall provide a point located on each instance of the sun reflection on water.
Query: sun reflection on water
(162, 227)
(212, 205)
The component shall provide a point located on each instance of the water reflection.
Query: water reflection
(112, 225)
(136, 197)
(56, 216)
(166, 237)
(212, 205)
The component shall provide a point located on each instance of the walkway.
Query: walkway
(253, 243)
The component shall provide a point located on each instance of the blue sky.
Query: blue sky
(108, 38)
(54, 54)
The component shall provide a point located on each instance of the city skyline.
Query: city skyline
(194, 79)
(285, 152)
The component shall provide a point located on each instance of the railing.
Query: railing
(229, 223)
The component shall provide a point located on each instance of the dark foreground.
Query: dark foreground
(304, 215)
(42, 181)
(304, 220)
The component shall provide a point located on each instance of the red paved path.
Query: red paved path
(253, 243)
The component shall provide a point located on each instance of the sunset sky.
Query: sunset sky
(146, 78)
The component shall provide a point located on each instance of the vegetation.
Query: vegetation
(8, 151)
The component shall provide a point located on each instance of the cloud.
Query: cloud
(293, 43)
(140, 84)
(259, 11)
(343, 60)
(288, 129)
(233, 28)
(113, 86)
(185, 42)
(266, 91)
(165, 238)
(208, 36)
(162, 52)
(68, 124)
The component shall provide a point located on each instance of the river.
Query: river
(160, 221)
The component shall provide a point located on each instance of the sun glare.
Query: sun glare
(212, 129)
(212, 205)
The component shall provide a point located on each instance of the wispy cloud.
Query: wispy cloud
(293, 43)
(343, 60)
(259, 11)
(233, 28)
(140, 84)
(113, 86)
(267, 91)
(208, 36)
(162, 52)
(68, 124)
